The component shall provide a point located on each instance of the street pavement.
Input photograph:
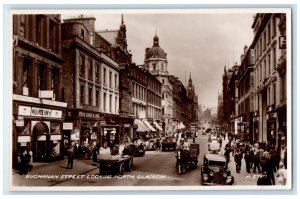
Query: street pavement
(158, 165)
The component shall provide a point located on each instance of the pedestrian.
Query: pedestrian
(238, 161)
(268, 167)
(94, 154)
(256, 162)
(264, 179)
(251, 156)
(70, 158)
(247, 161)
(30, 160)
(281, 174)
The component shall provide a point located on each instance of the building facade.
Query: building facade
(270, 82)
(245, 86)
(91, 85)
(38, 107)
(156, 63)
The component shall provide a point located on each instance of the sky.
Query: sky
(197, 44)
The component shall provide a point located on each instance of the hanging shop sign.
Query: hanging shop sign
(22, 139)
(39, 112)
(67, 126)
(19, 122)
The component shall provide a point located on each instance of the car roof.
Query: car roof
(215, 157)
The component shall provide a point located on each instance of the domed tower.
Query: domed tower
(156, 59)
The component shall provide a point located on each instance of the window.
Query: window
(274, 58)
(269, 33)
(82, 34)
(38, 30)
(116, 82)
(265, 40)
(110, 79)
(104, 101)
(52, 37)
(26, 66)
(274, 26)
(90, 69)
(97, 98)
(54, 81)
(269, 64)
(162, 66)
(110, 103)
(116, 104)
(104, 76)
(97, 70)
(82, 65)
(274, 94)
(283, 87)
(265, 69)
(42, 77)
(81, 94)
(163, 81)
(91, 96)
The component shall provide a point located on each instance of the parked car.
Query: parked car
(168, 143)
(214, 172)
(135, 149)
(150, 145)
(115, 165)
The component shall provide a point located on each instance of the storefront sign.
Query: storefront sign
(39, 112)
(126, 125)
(89, 115)
(56, 114)
(55, 137)
(102, 123)
(19, 122)
(67, 126)
(24, 110)
(23, 139)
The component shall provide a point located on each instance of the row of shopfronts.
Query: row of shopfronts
(270, 130)
(48, 132)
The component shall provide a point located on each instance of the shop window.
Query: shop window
(97, 71)
(104, 101)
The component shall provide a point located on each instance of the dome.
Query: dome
(156, 51)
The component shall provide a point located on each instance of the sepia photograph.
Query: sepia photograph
(150, 99)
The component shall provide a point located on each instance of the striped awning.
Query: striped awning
(157, 126)
(141, 127)
(149, 125)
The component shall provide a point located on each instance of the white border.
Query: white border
(165, 11)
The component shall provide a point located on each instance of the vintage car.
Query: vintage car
(152, 144)
(136, 149)
(115, 164)
(168, 143)
(214, 172)
(187, 159)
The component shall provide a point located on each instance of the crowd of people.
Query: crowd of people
(261, 160)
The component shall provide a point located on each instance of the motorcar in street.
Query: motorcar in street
(115, 164)
(151, 144)
(137, 148)
(168, 143)
(214, 172)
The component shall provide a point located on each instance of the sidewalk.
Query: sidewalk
(242, 178)
(48, 174)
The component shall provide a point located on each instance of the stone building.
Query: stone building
(91, 84)
(38, 102)
(270, 78)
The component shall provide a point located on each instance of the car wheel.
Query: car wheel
(130, 165)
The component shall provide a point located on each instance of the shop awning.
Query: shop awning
(181, 125)
(141, 127)
(157, 126)
(149, 126)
